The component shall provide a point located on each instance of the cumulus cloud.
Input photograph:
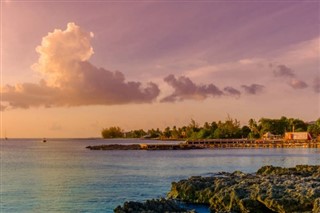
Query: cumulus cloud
(253, 89)
(29, 94)
(70, 80)
(184, 88)
(316, 85)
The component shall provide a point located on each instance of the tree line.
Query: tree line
(230, 128)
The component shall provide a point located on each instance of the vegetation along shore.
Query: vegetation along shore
(228, 129)
(266, 133)
(269, 190)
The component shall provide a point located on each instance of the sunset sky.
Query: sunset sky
(71, 68)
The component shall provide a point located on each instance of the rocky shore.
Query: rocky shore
(151, 206)
(271, 189)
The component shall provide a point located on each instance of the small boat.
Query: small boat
(44, 140)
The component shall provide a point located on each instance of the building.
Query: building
(297, 136)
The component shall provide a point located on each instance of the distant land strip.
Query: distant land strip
(213, 143)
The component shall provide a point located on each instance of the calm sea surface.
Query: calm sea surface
(63, 176)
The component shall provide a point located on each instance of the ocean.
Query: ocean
(61, 175)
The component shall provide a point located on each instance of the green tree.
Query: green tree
(167, 132)
(175, 133)
(154, 133)
(314, 129)
(192, 129)
(136, 133)
(254, 129)
(245, 131)
(213, 127)
(218, 134)
(203, 133)
(194, 126)
(275, 126)
(228, 129)
(112, 132)
(296, 125)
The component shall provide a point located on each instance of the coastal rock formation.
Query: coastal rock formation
(316, 205)
(115, 147)
(151, 206)
(270, 189)
(151, 147)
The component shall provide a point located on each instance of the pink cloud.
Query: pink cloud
(69, 79)
(184, 89)
(253, 89)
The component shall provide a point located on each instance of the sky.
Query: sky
(71, 68)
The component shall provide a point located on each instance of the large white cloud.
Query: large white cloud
(69, 79)
(61, 51)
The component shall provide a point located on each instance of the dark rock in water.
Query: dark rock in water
(115, 147)
(143, 147)
(151, 206)
(271, 189)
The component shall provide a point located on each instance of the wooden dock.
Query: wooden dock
(246, 143)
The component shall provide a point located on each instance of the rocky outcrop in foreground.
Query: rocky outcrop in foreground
(151, 206)
(270, 189)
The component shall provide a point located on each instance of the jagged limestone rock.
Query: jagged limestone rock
(271, 189)
(152, 206)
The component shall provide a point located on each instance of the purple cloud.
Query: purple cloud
(253, 89)
(184, 88)
(232, 91)
(283, 71)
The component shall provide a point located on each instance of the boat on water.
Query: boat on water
(44, 140)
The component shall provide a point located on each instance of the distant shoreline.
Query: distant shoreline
(210, 144)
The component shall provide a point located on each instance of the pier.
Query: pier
(247, 143)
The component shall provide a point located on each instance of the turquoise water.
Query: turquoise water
(63, 176)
